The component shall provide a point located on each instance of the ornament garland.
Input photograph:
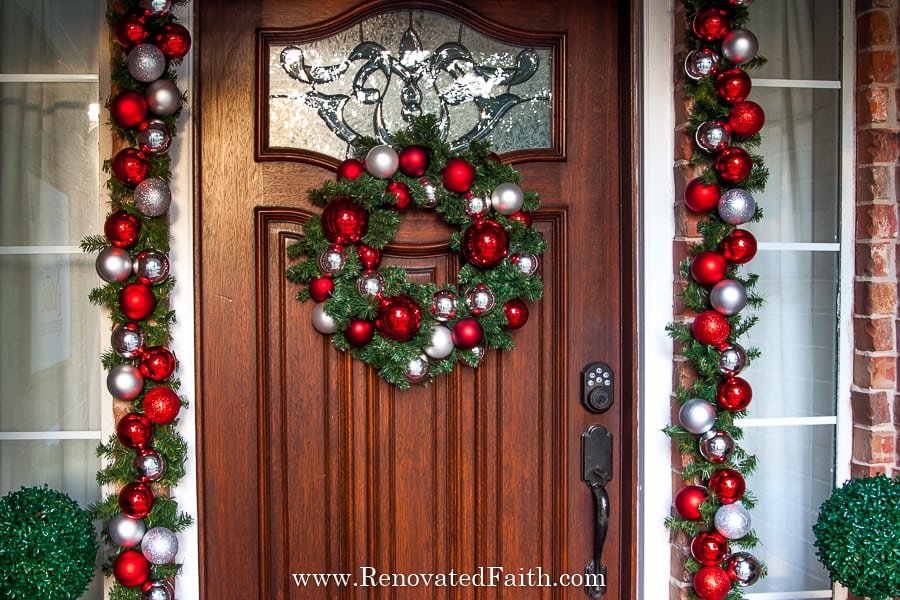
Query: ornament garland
(712, 507)
(146, 456)
(412, 332)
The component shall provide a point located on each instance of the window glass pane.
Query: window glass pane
(50, 36)
(800, 38)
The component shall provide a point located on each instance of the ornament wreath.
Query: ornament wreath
(712, 508)
(411, 332)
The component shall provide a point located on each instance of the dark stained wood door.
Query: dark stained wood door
(308, 462)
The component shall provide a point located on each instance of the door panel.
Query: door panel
(309, 463)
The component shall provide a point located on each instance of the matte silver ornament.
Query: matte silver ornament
(732, 360)
(382, 161)
(125, 382)
(149, 464)
(700, 63)
(127, 340)
(146, 63)
(736, 206)
(417, 369)
(370, 283)
(527, 263)
(740, 46)
(732, 521)
(159, 546)
(157, 590)
(443, 305)
(716, 445)
(743, 568)
(332, 259)
(152, 197)
(697, 415)
(441, 343)
(480, 299)
(153, 136)
(322, 321)
(507, 198)
(114, 264)
(151, 267)
(728, 297)
(163, 97)
(713, 136)
(125, 531)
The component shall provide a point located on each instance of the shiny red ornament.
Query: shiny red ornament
(174, 41)
(728, 485)
(399, 318)
(485, 243)
(131, 568)
(516, 313)
(402, 192)
(467, 333)
(351, 169)
(369, 257)
(344, 221)
(712, 583)
(320, 288)
(701, 197)
(522, 216)
(733, 164)
(688, 501)
(708, 268)
(746, 118)
(161, 405)
(121, 229)
(734, 393)
(709, 327)
(128, 109)
(130, 30)
(711, 24)
(136, 500)
(738, 247)
(157, 363)
(414, 161)
(709, 548)
(359, 332)
(137, 301)
(458, 175)
(130, 166)
(733, 85)
(134, 430)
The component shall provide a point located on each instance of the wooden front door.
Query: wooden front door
(308, 462)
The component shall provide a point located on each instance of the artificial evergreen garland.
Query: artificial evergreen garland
(711, 509)
(411, 332)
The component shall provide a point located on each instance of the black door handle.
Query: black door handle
(596, 472)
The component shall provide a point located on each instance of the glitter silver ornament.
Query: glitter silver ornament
(152, 197)
(157, 7)
(740, 46)
(151, 267)
(157, 590)
(527, 263)
(477, 206)
(146, 63)
(159, 546)
(163, 97)
(736, 206)
(114, 264)
(732, 360)
(125, 531)
(697, 415)
(732, 521)
(480, 299)
(716, 445)
(153, 137)
(743, 568)
(370, 283)
(149, 464)
(441, 342)
(382, 161)
(127, 340)
(507, 198)
(728, 297)
(700, 63)
(443, 305)
(417, 369)
(125, 382)
(713, 136)
(332, 259)
(322, 321)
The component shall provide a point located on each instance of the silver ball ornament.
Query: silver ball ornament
(743, 568)
(417, 369)
(127, 340)
(154, 137)
(697, 415)
(370, 283)
(732, 521)
(332, 259)
(125, 382)
(732, 360)
(507, 198)
(146, 63)
(441, 342)
(736, 206)
(125, 531)
(322, 321)
(526, 263)
(478, 352)
(151, 267)
(477, 206)
(716, 445)
(480, 299)
(740, 46)
(700, 63)
(443, 305)
(713, 136)
(114, 264)
(159, 546)
(152, 197)
(728, 297)
(382, 161)
(430, 196)
(149, 464)
(163, 97)
(157, 590)
(157, 7)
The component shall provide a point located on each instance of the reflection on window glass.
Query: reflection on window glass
(800, 38)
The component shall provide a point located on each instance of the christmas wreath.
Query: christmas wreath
(411, 332)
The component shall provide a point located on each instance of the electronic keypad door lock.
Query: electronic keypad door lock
(597, 387)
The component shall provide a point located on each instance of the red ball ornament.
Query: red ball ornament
(712, 583)
(728, 485)
(369, 257)
(746, 118)
(733, 164)
(733, 85)
(130, 166)
(709, 548)
(701, 197)
(359, 332)
(711, 24)
(134, 430)
(414, 161)
(399, 318)
(402, 193)
(344, 221)
(516, 313)
(738, 247)
(128, 109)
(137, 301)
(157, 363)
(709, 268)
(161, 405)
(458, 175)
(136, 500)
(131, 568)
(688, 501)
(734, 393)
(522, 216)
(130, 30)
(709, 327)
(484, 243)
(467, 333)
(351, 169)
(174, 41)
(121, 229)
(320, 288)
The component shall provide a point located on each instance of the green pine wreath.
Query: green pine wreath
(349, 304)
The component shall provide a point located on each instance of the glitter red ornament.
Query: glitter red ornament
(157, 363)
(734, 393)
(484, 243)
(399, 318)
(746, 118)
(711, 24)
(733, 85)
(344, 221)
(688, 501)
(709, 327)
(128, 109)
(136, 500)
(320, 288)
(708, 268)
(359, 332)
(709, 548)
(134, 430)
(402, 192)
(711, 583)
(130, 166)
(121, 229)
(458, 175)
(369, 257)
(701, 197)
(516, 313)
(131, 568)
(728, 485)
(161, 405)
(351, 169)
(130, 30)
(414, 161)
(137, 301)
(467, 333)
(733, 164)
(174, 41)
(738, 247)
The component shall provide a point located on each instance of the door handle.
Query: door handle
(596, 472)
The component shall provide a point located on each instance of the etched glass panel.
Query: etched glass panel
(380, 74)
